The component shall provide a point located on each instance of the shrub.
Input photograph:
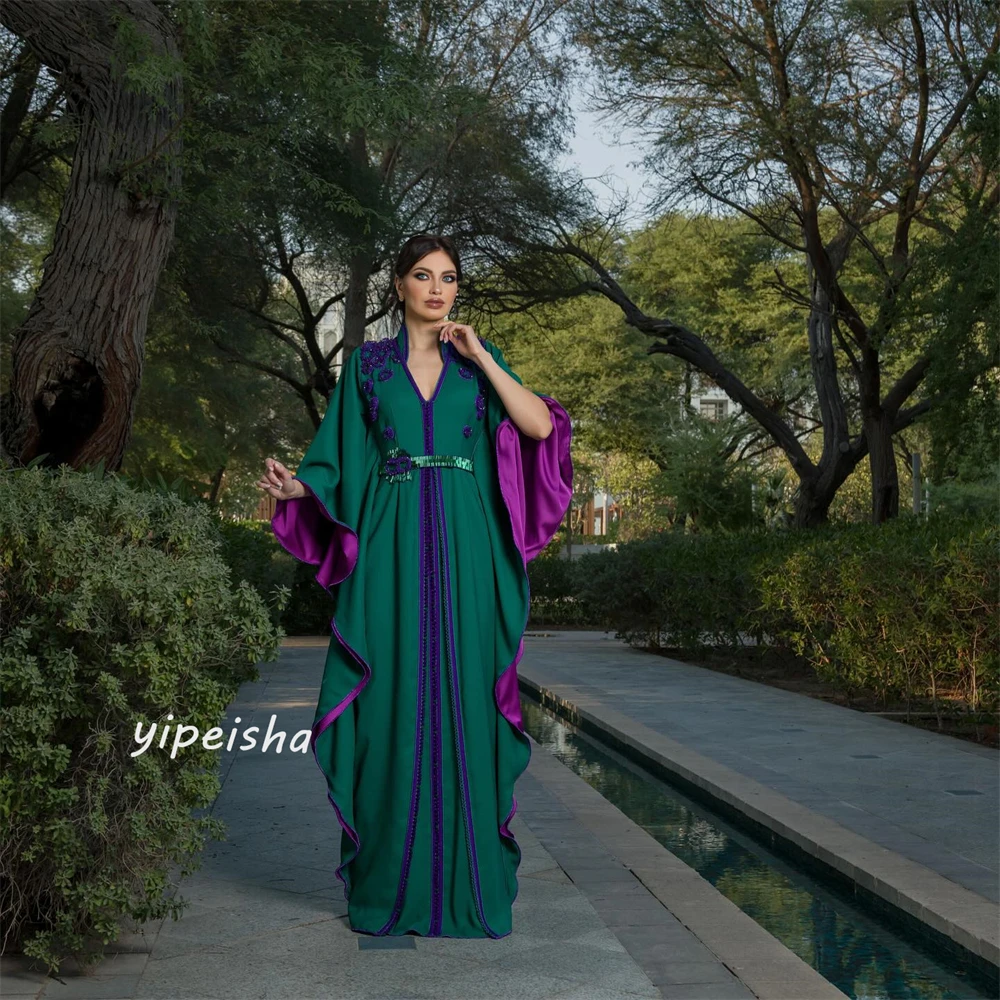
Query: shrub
(118, 609)
(252, 553)
(904, 609)
(687, 590)
(552, 582)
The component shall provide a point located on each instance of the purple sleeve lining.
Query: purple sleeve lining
(306, 529)
(536, 479)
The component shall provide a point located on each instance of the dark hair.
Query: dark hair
(414, 250)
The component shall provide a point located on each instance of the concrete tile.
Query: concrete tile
(98, 987)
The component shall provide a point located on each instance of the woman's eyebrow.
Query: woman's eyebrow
(450, 270)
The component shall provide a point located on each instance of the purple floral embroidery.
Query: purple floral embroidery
(467, 430)
(465, 372)
(374, 354)
(397, 465)
(389, 433)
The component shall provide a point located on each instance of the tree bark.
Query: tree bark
(77, 358)
(882, 462)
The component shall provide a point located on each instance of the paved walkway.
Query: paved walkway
(933, 799)
(268, 920)
(603, 910)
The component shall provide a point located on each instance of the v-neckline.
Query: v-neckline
(403, 342)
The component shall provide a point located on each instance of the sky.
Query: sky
(611, 150)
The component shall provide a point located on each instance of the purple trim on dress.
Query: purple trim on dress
(418, 742)
(418, 747)
(536, 483)
(437, 749)
(429, 663)
(309, 532)
(456, 705)
(404, 355)
(317, 731)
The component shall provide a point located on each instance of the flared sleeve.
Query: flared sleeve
(536, 477)
(321, 528)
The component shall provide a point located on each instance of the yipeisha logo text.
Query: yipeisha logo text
(185, 736)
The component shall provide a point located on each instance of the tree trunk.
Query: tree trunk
(811, 507)
(356, 302)
(360, 261)
(213, 496)
(817, 491)
(77, 359)
(882, 461)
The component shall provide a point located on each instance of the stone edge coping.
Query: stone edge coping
(757, 958)
(906, 888)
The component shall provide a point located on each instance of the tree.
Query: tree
(77, 357)
(446, 121)
(792, 112)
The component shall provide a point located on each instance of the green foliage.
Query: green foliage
(715, 275)
(798, 147)
(683, 590)
(631, 438)
(902, 612)
(251, 552)
(118, 609)
(902, 609)
(552, 581)
(978, 499)
(309, 608)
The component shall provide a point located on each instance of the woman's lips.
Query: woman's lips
(434, 302)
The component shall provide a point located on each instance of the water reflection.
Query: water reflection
(862, 958)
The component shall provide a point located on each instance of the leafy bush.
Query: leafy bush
(118, 609)
(252, 553)
(309, 608)
(903, 609)
(686, 590)
(552, 583)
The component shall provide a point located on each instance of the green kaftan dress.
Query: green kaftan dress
(418, 726)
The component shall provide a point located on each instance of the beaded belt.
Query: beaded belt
(397, 467)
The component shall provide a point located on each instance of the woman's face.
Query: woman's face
(429, 289)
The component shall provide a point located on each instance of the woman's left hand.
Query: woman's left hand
(462, 336)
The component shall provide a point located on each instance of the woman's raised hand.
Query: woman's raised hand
(278, 481)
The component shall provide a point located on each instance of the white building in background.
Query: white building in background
(711, 401)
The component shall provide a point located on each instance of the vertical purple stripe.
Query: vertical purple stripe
(437, 752)
(457, 717)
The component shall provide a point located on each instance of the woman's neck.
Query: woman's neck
(422, 335)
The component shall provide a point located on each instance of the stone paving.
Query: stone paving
(268, 920)
(603, 910)
(933, 799)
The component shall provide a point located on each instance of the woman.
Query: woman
(433, 479)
